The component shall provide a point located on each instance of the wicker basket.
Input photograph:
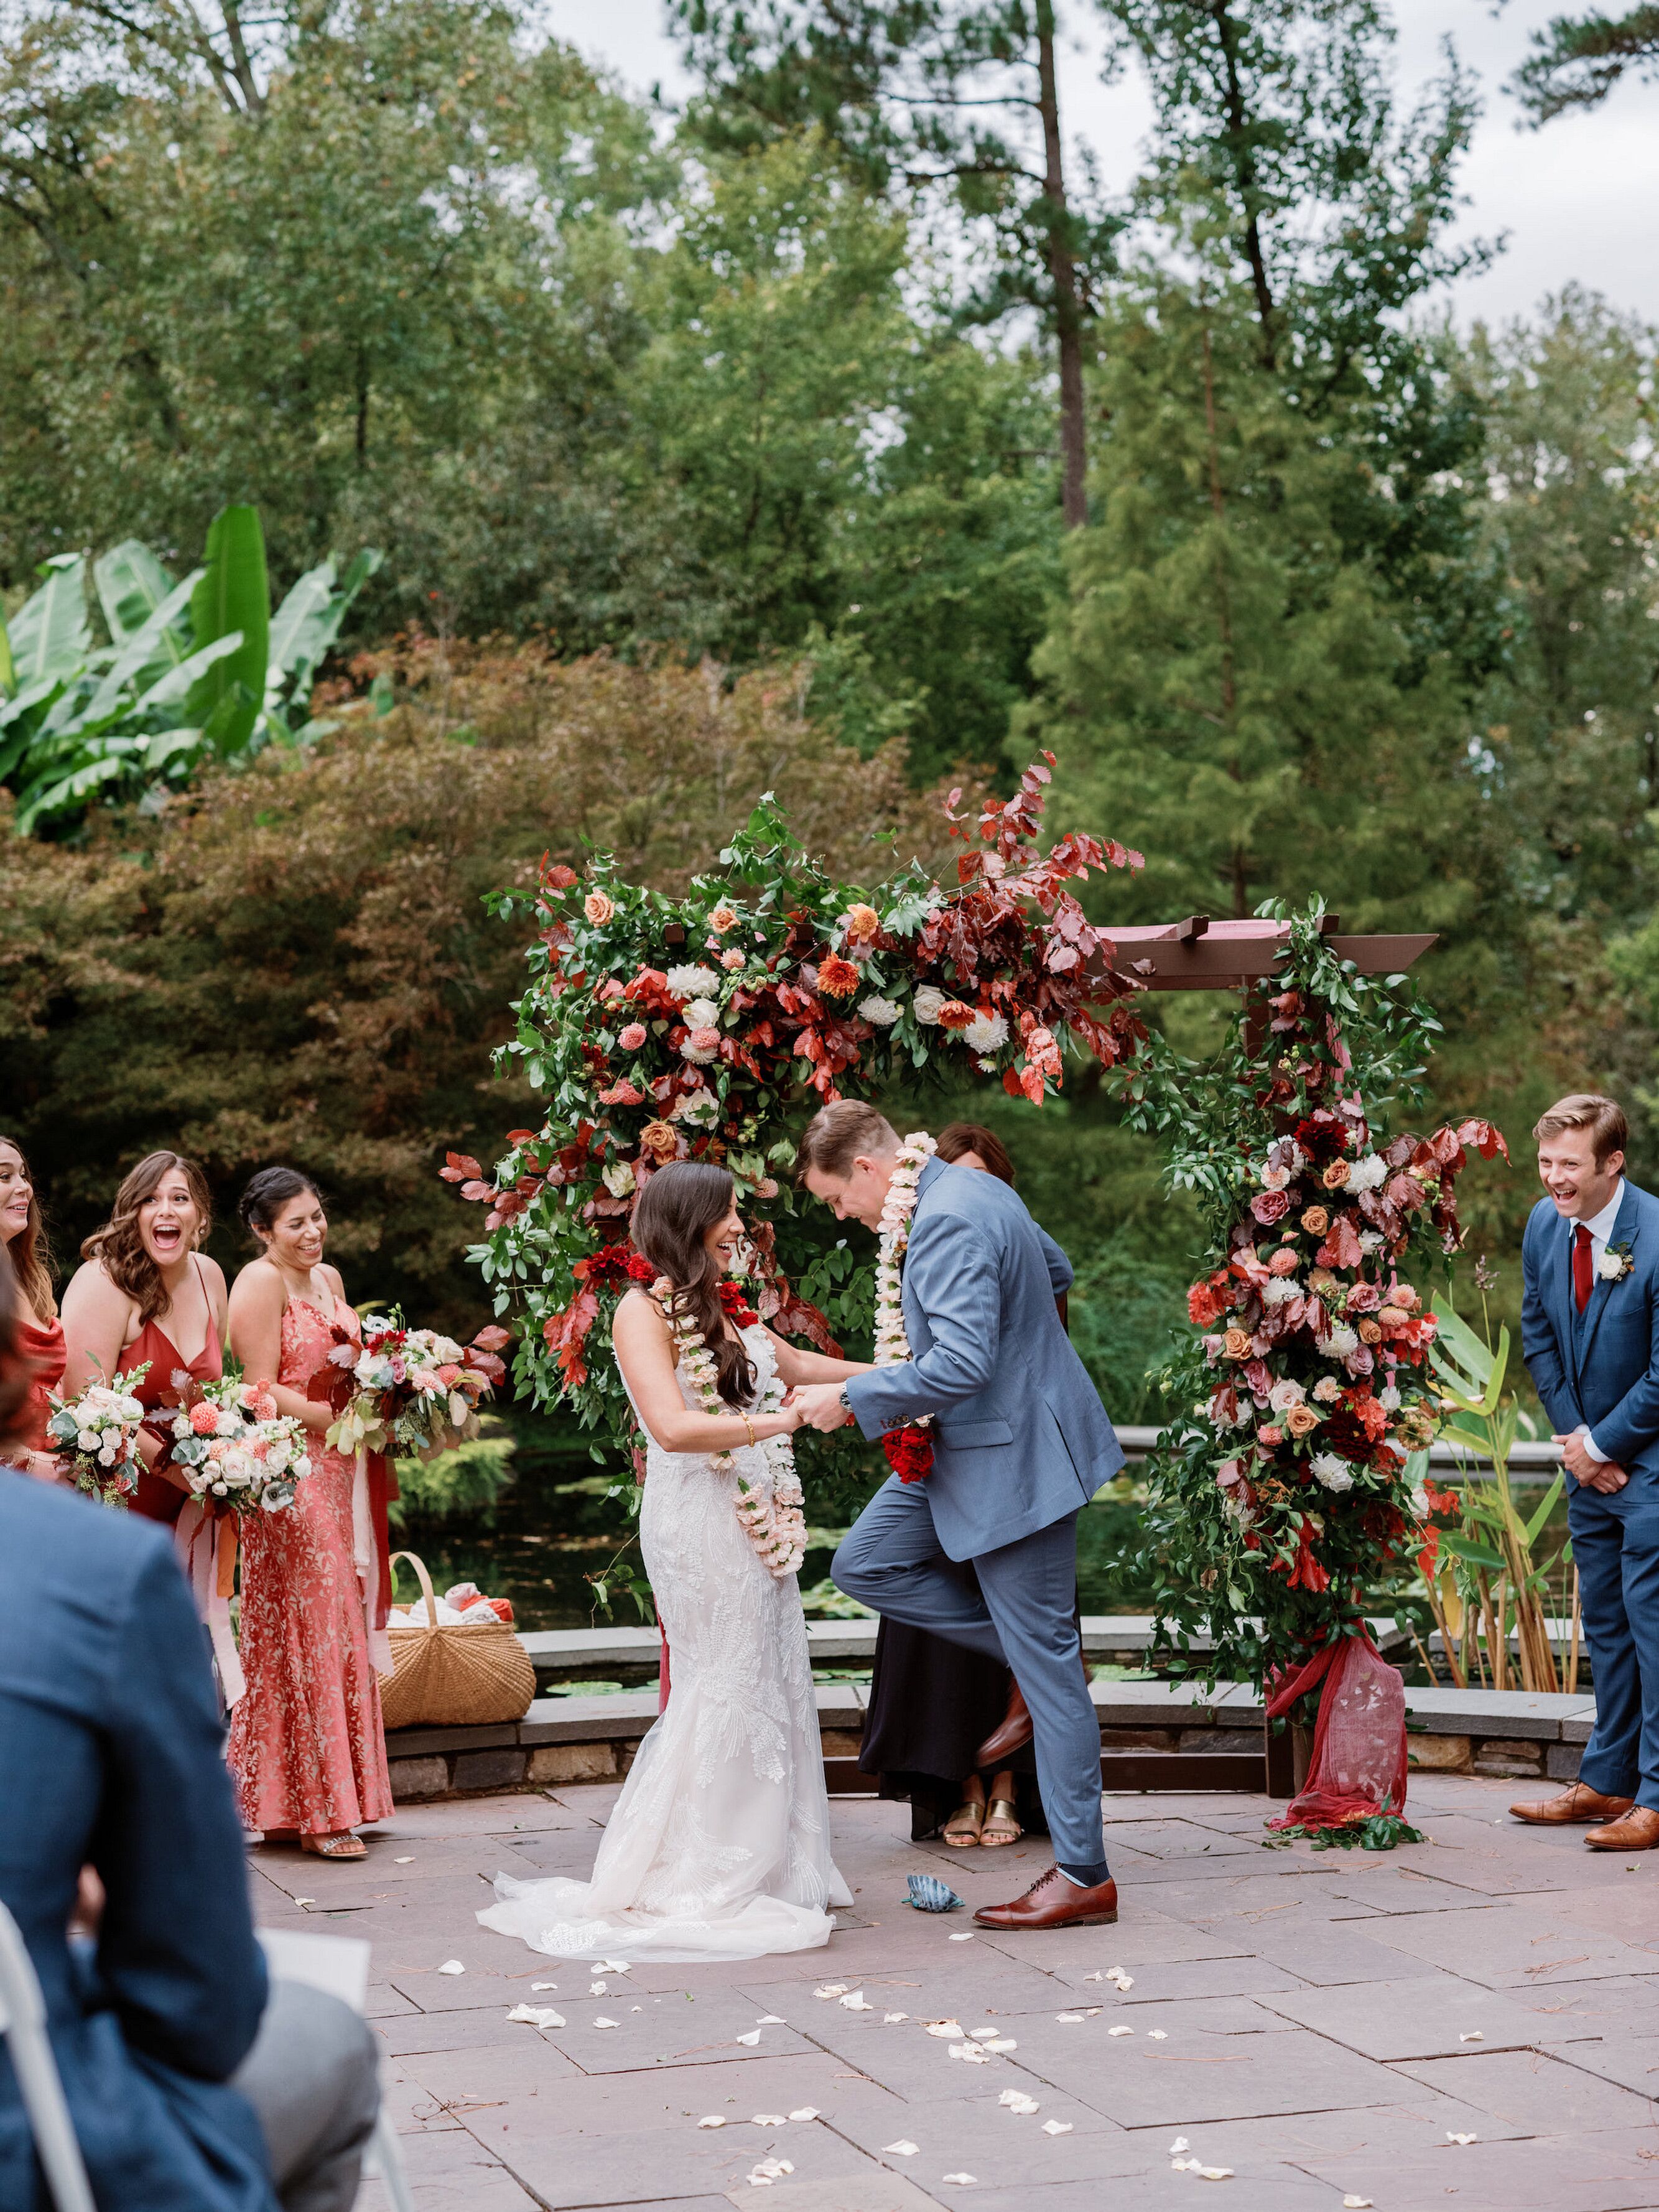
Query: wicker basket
(451, 1677)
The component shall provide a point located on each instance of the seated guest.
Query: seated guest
(23, 1236)
(191, 2086)
(147, 1297)
(934, 1703)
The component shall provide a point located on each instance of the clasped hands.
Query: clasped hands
(818, 1406)
(1605, 1475)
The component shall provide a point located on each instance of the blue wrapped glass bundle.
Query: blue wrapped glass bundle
(929, 1894)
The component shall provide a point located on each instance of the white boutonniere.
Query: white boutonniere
(1615, 1263)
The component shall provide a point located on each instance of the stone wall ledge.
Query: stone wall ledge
(559, 1740)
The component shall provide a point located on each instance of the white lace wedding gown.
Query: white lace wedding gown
(718, 1845)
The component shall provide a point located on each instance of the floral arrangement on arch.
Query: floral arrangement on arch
(661, 1029)
(1289, 1492)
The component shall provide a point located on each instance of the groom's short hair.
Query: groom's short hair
(839, 1134)
(1587, 1110)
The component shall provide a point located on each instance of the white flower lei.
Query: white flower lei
(775, 1525)
(892, 1345)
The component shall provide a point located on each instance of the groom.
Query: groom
(1021, 1443)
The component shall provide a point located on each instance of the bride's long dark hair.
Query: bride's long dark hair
(674, 1212)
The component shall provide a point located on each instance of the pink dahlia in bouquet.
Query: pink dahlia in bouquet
(95, 1437)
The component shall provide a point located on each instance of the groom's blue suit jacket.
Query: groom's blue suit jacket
(1020, 1436)
(1601, 1366)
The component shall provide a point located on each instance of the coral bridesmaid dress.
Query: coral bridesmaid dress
(307, 1749)
(42, 1346)
(156, 1498)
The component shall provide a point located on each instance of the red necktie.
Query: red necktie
(1581, 1275)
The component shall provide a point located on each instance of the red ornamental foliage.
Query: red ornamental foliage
(909, 1453)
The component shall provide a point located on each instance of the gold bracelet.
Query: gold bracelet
(750, 1425)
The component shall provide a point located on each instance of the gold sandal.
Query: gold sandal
(952, 1832)
(345, 1846)
(1003, 1818)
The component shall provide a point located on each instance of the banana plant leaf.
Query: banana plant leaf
(8, 672)
(131, 584)
(148, 651)
(305, 627)
(233, 597)
(1534, 1527)
(67, 794)
(1473, 1374)
(1476, 1554)
(50, 633)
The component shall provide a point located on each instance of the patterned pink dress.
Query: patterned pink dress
(306, 1747)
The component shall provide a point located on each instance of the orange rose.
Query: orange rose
(1316, 1220)
(1236, 1344)
(1336, 1175)
(599, 909)
(660, 1141)
(1302, 1420)
(1370, 1333)
(723, 918)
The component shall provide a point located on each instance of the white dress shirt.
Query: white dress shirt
(1600, 1228)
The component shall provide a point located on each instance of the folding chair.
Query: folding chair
(23, 2024)
(339, 1964)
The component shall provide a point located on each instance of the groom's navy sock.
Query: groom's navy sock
(1086, 1877)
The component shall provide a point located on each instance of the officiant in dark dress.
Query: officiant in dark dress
(933, 1704)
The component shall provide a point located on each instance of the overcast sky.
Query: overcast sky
(1577, 200)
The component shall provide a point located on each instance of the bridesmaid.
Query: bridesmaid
(307, 1750)
(145, 1293)
(39, 1333)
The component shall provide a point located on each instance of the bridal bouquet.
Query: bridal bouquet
(406, 1390)
(235, 1450)
(96, 1436)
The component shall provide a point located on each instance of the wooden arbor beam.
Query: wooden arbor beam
(1201, 954)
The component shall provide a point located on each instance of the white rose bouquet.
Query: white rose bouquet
(96, 1436)
(235, 1450)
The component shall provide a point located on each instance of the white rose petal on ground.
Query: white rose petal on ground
(1180, 2144)
(597, 1990)
(1057, 2127)
(1356, 2204)
(1017, 2101)
(712, 2120)
(1111, 2030)
(1156, 2035)
(901, 2149)
(408, 1862)
(1450, 2137)
(855, 2000)
(1473, 2035)
(982, 2034)
(609, 1966)
(1069, 2019)
(804, 2112)
(1002, 2043)
(889, 2018)
(536, 2016)
(960, 2180)
(769, 2170)
(949, 2029)
(751, 2038)
(831, 1989)
(973, 2054)
(449, 1965)
(962, 1939)
(603, 2022)
(1211, 2173)
(766, 2120)
(771, 2019)
(534, 1986)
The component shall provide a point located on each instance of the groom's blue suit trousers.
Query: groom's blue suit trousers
(1022, 1613)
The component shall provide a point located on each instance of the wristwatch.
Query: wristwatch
(846, 1403)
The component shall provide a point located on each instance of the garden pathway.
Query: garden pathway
(1324, 2025)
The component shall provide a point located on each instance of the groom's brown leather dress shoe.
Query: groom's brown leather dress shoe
(1054, 1902)
(1011, 1734)
(1581, 1802)
(1639, 1831)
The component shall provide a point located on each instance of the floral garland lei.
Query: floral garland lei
(909, 1449)
(775, 1525)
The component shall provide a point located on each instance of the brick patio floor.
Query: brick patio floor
(1323, 2024)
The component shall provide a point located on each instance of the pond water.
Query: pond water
(549, 1534)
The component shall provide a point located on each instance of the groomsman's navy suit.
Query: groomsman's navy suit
(1600, 1369)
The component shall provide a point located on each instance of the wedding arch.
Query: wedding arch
(1289, 1483)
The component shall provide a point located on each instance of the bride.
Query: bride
(719, 1846)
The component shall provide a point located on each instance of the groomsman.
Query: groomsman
(1590, 1333)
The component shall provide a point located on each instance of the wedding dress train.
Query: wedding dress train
(718, 1845)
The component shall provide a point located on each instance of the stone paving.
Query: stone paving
(1475, 2018)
